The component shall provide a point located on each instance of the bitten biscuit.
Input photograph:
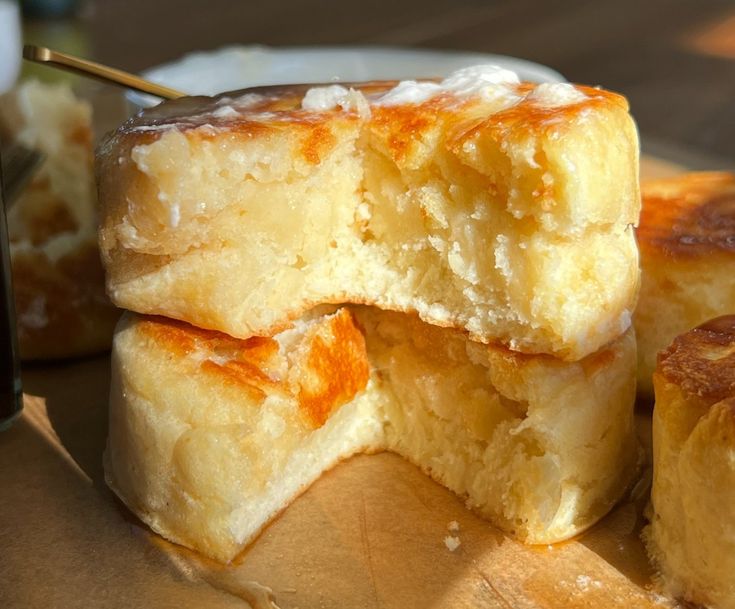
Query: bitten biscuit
(480, 203)
(687, 243)
(691, 538)
(211, 436)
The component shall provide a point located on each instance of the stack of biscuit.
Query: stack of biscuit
(446, 270)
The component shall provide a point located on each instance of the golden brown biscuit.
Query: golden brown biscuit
(506, 212)
(61, 306)
(211, 436)
(687, 243)
(691, 538)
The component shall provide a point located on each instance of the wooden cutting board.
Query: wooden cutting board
(370, 533)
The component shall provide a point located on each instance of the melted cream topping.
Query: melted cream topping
(488, 82)
(409, 92)
(554, 95)
(321, 99)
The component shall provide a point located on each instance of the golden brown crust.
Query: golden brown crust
(333, 367)
(284, 101)
(702, 361)
(193, 112)
(240, 362)
(272, 108)
(269, 110)
(539, 119)
(690, 216)
(182, 339)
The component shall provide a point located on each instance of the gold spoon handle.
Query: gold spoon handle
(98, 71)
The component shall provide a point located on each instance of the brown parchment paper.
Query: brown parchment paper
(370, 533)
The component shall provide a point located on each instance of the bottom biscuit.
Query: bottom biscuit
(211, 436)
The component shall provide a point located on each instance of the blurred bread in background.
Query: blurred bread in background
(691, 538)
(61, 306)
(686, 238)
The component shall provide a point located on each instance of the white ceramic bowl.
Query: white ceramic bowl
(230, 68)
(10, 45)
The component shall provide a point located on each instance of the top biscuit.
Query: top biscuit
(498, 207)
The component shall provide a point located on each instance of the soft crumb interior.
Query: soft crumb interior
(523, 443)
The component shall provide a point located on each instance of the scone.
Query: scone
(692, 533)
(480, 203)
(687, 243)
(211, 436)
(61, 306)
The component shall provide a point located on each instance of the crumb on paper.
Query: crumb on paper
(661, 600)
(451, 542)
(453, 525)
(585, 582)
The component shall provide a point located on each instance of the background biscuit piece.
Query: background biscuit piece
(61, 306)
(691, 537)
(687, 244)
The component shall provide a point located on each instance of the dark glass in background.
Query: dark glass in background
(49, 9)
(11, 395)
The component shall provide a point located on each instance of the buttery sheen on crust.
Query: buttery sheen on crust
(506, 214)
(687, 246)
(691, 538)
(211, 436)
